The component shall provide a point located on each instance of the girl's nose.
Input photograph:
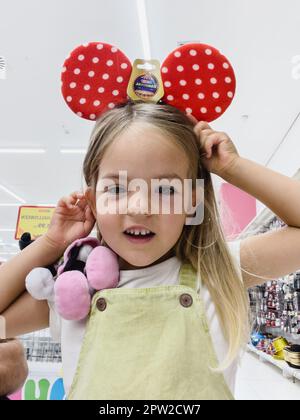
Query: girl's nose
(140, 205)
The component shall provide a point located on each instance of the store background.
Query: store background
(42, 144)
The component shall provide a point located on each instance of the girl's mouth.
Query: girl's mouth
(139, 238)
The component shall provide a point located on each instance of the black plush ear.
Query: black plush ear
(73, 263)
(25, 240)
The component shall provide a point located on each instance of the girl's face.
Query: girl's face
(145, 154)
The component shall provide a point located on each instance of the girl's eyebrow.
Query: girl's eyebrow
(167, 176)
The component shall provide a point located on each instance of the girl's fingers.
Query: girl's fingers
(81, 203)
(203, 136)
(71, 200)
(75, 196)
(210, 142)
(200, 126)
(63, 202)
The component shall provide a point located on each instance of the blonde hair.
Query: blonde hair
(204, 245)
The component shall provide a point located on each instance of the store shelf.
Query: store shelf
(287, 371)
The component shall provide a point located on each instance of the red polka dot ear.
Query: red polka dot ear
(95, 78)
(198, 79)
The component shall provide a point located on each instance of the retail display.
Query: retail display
(292, 356)
(275, 312)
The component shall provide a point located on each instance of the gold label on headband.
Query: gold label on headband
(145, 82)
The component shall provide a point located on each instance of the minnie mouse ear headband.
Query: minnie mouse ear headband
(195, 78)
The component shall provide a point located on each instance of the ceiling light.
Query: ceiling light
(12, 194)
(143, 21)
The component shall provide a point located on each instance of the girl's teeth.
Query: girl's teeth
(136, 233)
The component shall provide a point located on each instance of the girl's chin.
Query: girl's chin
(134, 263)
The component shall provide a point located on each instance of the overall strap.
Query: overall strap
(188, 276)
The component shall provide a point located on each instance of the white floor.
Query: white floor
(263, 381)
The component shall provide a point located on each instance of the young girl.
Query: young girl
(174, 326)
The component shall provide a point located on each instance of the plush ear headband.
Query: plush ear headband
(197, 79)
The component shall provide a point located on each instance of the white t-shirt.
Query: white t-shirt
(71, 333)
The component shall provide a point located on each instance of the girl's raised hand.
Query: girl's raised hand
(72, 219)
(218, 151)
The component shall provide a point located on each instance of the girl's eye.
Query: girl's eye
(166, 190)
(116, 189)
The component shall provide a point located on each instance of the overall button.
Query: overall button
(101, 304)
(186, 300)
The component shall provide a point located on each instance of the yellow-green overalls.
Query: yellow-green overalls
(149, 344)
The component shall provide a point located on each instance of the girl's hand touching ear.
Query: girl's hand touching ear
(218, 151)
(72, 219)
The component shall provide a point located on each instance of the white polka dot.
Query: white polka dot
(99, 46)
(105, 76)
(86, 87)
(218, 109)
(115, 92)
(188, 110)
(91, 73)
(95, 60)
(208, 51)
(82, 101)
(101, 89)
(111, 105)
(201, 95)
(230, 94)
(203, 110)
(109, 63)
(167, 83)
(182, 82)
(213, 80)
(97, 103)
(170, 98)
(92, 116)
(85, 45)
(73, 85)
(216, 95)
(79, 114)
(225, 65)
(76, 71)
(193, 52)
(120, 79)
(196, 66)
(124, 66)
(180, 68)
(185, 96)
(64, 69)
(211, 66)
(177, 54)
(198, 81)
(69, 98)
(164, 70)
(114, 49)
(81, 57)
(228, 79)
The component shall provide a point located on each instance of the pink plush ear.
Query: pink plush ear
(72, 296)
(102, 268)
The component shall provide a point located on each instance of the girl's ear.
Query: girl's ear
(91, 199)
